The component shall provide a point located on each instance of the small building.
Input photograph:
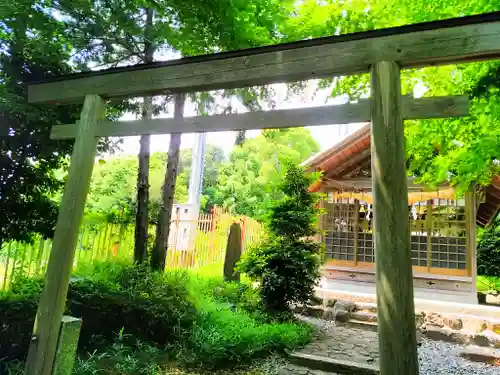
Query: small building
(443, 227)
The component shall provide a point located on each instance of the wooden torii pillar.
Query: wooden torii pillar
(43, 345)
(393, 266)
(380, 52)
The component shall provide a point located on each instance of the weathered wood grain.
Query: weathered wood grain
(67, 345)
(435, 107)
(415, 49)
(448, 106)
(396, 310)
(234, 249)
(470, 217)
(51, 307)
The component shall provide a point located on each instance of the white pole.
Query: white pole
(197, 165)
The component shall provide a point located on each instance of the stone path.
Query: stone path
(361, 346)
(348, 344)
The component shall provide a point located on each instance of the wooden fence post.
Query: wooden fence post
(43, 344)
(243, 230)
(470, 225)
(67, 345)
(233, 253)
(212, 235)
(396, 310)
(428, 224)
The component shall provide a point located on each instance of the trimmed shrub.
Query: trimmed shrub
(488, 250)
(131, 301)
(287, 262)
(17, 317)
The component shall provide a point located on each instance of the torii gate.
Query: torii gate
(382, 53)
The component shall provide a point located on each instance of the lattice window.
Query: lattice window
(448, 243)
(366, 251)
(341, 227)
(437, 227)
(419, 250)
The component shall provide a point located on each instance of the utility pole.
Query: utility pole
(197, 166)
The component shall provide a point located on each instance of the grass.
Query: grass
(487, 284)
(146, 360)
(229, 333)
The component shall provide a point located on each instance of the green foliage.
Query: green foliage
(487, 284)
(232, 329)
(112, 189)
(114, 298)
(28, 157)
(245, 184)
(251, 180)
(287, 263)
(488, 251)
(459, 151)
(136, 320)
(34, 46)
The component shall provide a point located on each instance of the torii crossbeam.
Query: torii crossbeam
(382, 53)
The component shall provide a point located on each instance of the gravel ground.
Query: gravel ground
(435, 357)
(441, 358)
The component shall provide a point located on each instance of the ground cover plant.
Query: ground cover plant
(137, 322)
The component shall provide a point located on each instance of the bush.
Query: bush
(222, 337)
(287, 262)
(201, 321)
(113, 299)
(488, 251)
(232, 329)
(147, 307)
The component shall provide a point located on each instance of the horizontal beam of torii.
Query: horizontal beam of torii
(439, 42)
(433, 107)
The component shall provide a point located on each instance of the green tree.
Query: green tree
(112, 188)
(116, 32)
(252, 177)
(456, 150)
(488, 250)
(287, 262)
(32, 47)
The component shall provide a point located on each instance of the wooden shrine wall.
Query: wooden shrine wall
(438, 235)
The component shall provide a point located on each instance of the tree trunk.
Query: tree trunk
(142, 217)
(396, 310)
(240, 138)
(159, 254)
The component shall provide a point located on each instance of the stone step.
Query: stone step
(332, 365)
(478, 354)
(291, 369)
(362, 324)
(364, 316)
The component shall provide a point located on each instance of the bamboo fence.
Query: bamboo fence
(193, 244)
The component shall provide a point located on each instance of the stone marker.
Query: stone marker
(233, 253)
(67, 345)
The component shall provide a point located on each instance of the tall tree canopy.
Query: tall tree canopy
(32, 47)
(458, 150)
(252, 177)
(112, 189)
